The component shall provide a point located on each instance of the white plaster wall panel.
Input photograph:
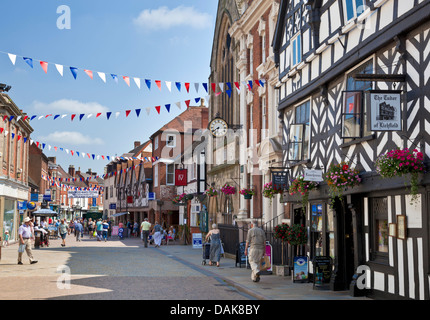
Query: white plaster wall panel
(398, 204)
(353, 39)
(335, 17)
(282, 61)
(411, 271)
(326, 60)
(400, 267)
(413, 212)
(305, 42)
(338, 51)
(404, 6)
(386, 14)
(305, 75)
(421, 268)
(324, 26)
(378, 283)
(369, 26)
(315, 68)
(391, 284)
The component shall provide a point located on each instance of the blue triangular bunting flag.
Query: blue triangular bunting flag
(168, 107)
(148, 83)
(108, 115)
(74, 72)
(178, 85)
(205, 85)
(29, 61)
(138, 112)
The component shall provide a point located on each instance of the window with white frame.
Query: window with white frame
(263, 48)
(156, 143)
(170, 174)
(353, 8)
(296, 50)
(298, 147)
(264, 117)
(171, 141)
(195, 210)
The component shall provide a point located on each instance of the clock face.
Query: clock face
(218, 127)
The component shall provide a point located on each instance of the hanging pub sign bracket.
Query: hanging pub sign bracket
(280, 178)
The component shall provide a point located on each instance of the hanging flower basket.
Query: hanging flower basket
(247, 193)
(400, 163)
(302, 187)
(228, 189)
(269, 191)
(179, 199)
(211, 192)
(339, 178)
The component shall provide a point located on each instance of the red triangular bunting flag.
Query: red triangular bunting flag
(73, 116)
(158, 109)
(55, 148)
(127, 80)
(213, 87)
(44, 66)
(158, 82)
(187, 86)
(98, 115)
(188, 103)
(19, 137)
(127, 112)
(89, 73)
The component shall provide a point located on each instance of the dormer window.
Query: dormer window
(296, 50)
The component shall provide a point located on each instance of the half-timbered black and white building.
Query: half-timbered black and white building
(331, 54)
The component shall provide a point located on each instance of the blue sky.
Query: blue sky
(157, 40)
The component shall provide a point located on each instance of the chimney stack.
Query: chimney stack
(72, 170)
(136, 144)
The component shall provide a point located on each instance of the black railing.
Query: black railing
(229, 237)
(278, 250)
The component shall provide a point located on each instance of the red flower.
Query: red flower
(345, 167)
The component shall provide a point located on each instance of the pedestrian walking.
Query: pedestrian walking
(110, 228)
(99, 229)
(6, 239)
(105, 230)
(136, 229)
(25, 235)
(90, 227)
(144, 229)
(64, 228)
(215, 247)
(79, 229)
(256, 242)
(157, 235)
(129, 228)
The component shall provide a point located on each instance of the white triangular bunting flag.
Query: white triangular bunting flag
(60, 69)
(12, 58)
(117, 114)
(67, 151)
(89, 116)
(169, 85)
(148, 110)
(40, 117)
(196, 85)
(178, 104)
(49, 147)
(64, 115)
(6, 132)
(31, 142)
(221, 86)
(102, 76)
(137, 81)
(17, 119)
(98, 157)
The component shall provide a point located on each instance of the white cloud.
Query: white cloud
(72, 106)
(72, 138)
(163, 18)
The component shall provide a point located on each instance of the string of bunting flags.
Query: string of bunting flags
(73, 152)
(228, 86)
(100, 114)
(57, 182)
(88, 179)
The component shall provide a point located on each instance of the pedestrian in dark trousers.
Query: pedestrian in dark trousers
(79, 230)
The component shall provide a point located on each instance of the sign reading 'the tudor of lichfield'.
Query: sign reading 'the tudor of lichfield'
(385, 110)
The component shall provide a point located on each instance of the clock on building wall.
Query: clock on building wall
(218, 127)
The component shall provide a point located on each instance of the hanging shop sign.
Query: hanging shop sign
(280, 180)
(181, 177)
(385, 110)
(313, 175)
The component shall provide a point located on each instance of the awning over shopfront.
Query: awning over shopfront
(120, 214)
(44, 213)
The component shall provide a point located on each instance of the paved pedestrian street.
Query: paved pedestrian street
(120, 270)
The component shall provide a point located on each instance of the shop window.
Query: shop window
(299, 136)
(379, 229)
(322, 231)
(171, 140)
